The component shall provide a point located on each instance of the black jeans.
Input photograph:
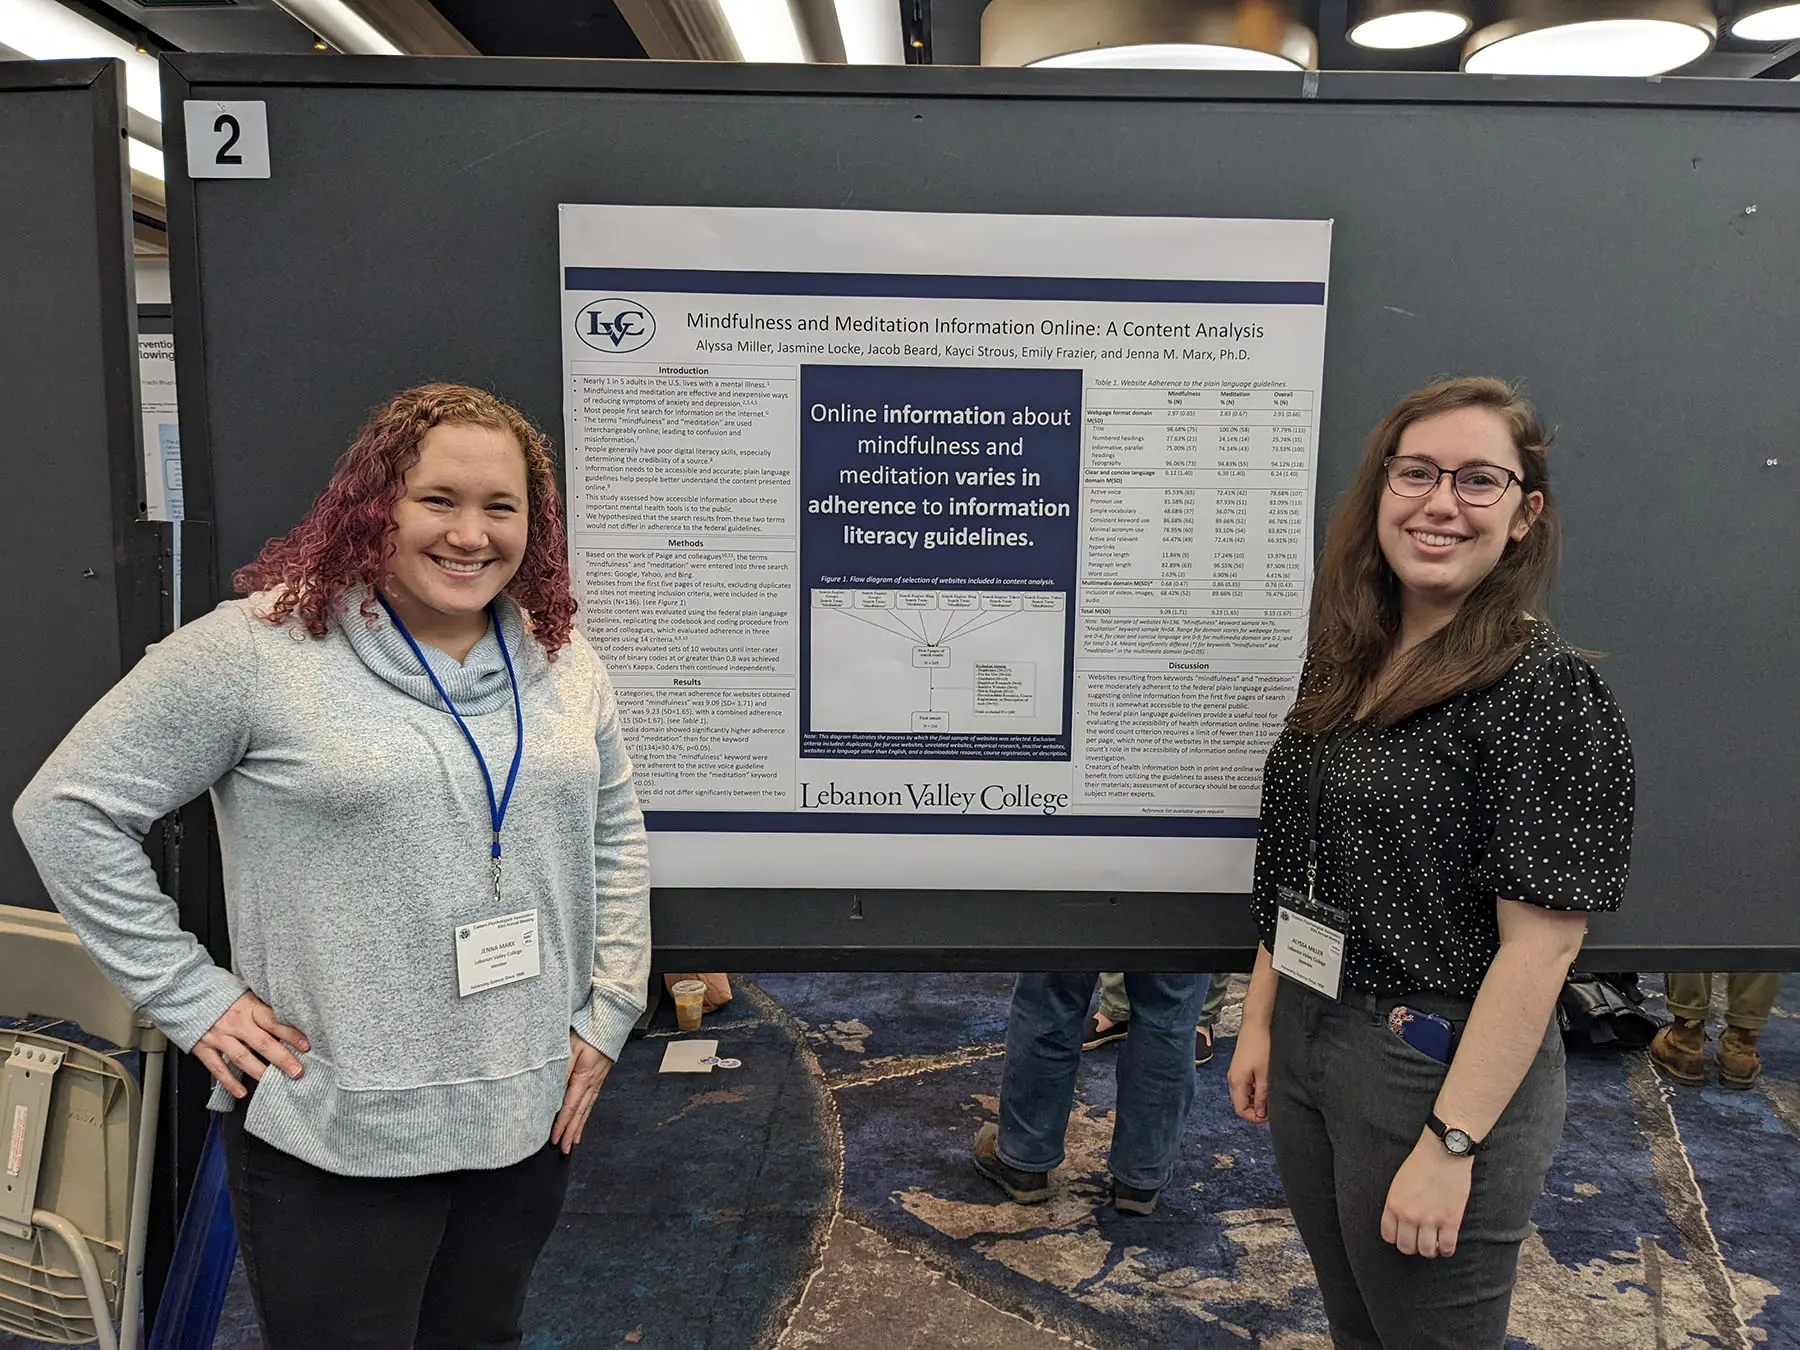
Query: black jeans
(388, 1263)
(1347, 1100)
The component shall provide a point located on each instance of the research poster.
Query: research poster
(162, 427)
(944, 551)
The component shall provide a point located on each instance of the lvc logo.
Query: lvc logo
(615, 325)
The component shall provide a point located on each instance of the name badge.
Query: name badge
(1307, 949)
(496, 952)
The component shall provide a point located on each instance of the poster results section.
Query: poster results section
(891, 526)
(1195, 580)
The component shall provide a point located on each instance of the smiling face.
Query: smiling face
(1440, 547)
(460, 528)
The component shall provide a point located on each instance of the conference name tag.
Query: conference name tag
(1308, 951)
(496, 952)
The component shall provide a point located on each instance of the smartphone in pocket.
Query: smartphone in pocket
(1428, 1033)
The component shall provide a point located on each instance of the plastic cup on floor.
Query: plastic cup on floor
(690, 997)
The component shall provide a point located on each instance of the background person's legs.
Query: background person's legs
(1689, 992)
(1043, 1056)
(1114, 1005)
(1750, 997)
(1679, 1049)
(1155, 1077)
(1217, 986)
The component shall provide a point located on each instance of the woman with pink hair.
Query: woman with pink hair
(435, 874)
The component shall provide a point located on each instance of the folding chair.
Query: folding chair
(77, 1139)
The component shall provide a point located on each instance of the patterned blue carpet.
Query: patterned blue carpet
(1668, 1218)
(701, 1205)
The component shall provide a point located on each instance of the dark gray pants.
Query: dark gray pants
(1347, 1100)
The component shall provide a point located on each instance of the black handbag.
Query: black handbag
(1604, 1012)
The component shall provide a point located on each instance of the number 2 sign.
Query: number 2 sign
(226, 140)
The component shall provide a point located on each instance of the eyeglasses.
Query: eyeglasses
(1473, 484)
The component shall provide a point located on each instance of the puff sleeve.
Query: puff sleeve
(1557, 784)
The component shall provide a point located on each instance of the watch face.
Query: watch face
(1457, 1141)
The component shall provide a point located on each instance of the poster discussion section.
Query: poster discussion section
(933, 550)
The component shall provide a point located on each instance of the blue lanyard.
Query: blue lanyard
(496, 808)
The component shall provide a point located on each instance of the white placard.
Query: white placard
(227, 140)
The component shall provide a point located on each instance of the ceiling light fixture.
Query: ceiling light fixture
(1147, 34)
(44, 31)
(144, 158)
(342, 26)
(1170, 56)
(1592, 37)
(1767, 23)
(1394, 25)
(764, 30)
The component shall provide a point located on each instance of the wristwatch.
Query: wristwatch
(1456, 1142)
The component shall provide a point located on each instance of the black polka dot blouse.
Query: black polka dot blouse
(1520, 791)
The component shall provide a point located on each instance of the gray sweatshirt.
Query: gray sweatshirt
(355, 832)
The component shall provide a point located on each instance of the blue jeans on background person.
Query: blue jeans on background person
(1155, 1072)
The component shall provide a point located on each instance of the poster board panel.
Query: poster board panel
(1592, 238)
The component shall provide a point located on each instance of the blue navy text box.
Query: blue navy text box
(907, 286)
(906, 822)
(1048, 565)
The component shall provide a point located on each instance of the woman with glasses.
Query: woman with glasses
(1450, 799)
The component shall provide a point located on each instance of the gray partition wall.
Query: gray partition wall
(82, 586)
(1628, 248)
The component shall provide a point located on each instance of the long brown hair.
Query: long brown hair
(1356, 601)
(345, 539)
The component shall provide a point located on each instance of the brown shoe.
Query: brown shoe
(1680, 1051)
(1739, 1064)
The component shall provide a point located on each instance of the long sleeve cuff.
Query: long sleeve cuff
(203, 998)
(606, 1020)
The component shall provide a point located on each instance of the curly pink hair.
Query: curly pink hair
(342, 541)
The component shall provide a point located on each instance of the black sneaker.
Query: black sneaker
(1130, 1200)
(1093, 1038)
(1028, 1188)
(1203, 1045)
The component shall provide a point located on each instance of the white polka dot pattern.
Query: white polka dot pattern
(1522, 790)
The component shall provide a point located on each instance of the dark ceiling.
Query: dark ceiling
(543, 27)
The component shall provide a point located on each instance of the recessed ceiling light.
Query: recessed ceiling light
(1170, 56)
(1601, 37)
(1389, 26)
(1776, 23)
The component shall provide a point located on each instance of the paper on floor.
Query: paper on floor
(685, 1056)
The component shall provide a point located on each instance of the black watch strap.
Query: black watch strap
(1458, 1141)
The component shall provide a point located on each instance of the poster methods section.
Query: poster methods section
(921, 556)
